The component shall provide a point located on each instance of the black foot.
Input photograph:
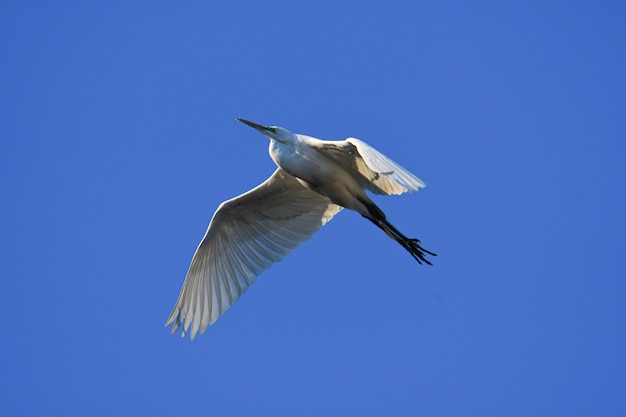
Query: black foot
(418, 252)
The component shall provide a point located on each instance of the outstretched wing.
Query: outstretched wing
(372, 169)
(246, 236)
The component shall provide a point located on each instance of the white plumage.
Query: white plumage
(315, 179)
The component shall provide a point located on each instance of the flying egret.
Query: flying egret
(315, 179)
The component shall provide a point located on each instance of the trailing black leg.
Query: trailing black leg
(411, 245)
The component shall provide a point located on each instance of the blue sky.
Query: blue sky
(118, 141)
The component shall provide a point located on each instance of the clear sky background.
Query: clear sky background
(118, 140)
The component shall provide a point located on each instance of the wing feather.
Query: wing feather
(373, 170)
(246, 236)
(394, 179)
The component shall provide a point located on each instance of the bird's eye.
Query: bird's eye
(272, 129)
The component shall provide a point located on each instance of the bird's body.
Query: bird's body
(316, 170)
(315, 179)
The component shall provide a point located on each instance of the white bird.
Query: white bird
(315, 179)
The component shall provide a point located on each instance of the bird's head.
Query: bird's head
(277, 133)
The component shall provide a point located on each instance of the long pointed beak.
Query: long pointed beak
(260, 128)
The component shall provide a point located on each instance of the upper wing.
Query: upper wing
(246, 236)
(373, 170)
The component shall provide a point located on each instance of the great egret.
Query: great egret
(315, 179)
